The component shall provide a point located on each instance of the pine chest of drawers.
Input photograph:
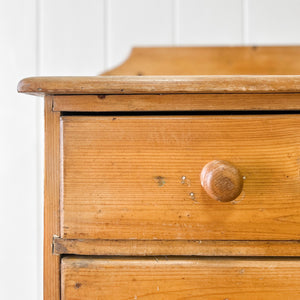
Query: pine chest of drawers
(174, 187)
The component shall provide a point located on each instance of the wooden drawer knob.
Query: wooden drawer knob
(221, 180)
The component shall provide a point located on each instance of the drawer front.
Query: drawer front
(153, 278)
(139, 177)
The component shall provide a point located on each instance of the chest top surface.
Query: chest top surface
(185, 70)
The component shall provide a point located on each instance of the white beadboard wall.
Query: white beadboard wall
(78, 37)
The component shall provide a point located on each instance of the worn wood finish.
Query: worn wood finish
(51, 201)
(182, 278)
(176, 102)
(124, 174)
(129, 185)
(175, 248)
(221, 180)
(159, 84)
(282, 60)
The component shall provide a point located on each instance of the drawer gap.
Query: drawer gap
(181, 113)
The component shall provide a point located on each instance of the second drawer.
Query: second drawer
(162, 279)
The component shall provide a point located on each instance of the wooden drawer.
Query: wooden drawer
(137, 177)
(184, 278)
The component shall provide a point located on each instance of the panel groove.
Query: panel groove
(245, 22)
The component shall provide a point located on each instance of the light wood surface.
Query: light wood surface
(176, 102)
(51, 202)
(182, 278)
(175, 248)
(282, 60)
(160, 84)
(130, 185)
(138, 177)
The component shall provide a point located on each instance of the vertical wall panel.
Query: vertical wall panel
(210, 22)
(137, 23)
(72, 37)
(274, 21)
(19, 257)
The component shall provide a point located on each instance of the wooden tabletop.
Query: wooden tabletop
(160, 84)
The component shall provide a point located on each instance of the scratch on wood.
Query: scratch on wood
(185, 180)
(77, 285)
(193, 197)
(160, 180)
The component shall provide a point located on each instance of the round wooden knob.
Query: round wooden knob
(221, 180)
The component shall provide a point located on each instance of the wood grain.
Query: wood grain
(175, 248)
(160, 84)
(176, 102)
(270, 60)
(182, 278)
(51, 201)
(138, 177)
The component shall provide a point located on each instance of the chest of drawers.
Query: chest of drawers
(174, 187)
